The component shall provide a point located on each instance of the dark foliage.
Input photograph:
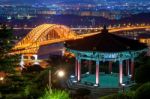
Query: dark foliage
(143, 92)
(83, 91)
(142, 74)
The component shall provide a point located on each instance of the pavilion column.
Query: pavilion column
(76, 67)
(97, 72)
(132, 68)
(127, 68)
(90, 66)
(79, 69)
(110, 67)
(120, 72)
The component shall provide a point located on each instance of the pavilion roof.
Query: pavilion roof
(105, 42)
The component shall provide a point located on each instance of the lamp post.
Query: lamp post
(49, 79)
(123, 85)
(59, 73)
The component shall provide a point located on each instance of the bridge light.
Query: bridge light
(109, 26)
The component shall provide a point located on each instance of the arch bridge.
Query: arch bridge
(43, 35)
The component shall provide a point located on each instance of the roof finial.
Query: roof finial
(104, 30)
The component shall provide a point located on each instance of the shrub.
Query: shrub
(55, 94)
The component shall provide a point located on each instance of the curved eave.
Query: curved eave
(106, 56)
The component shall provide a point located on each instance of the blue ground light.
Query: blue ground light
(106, 80)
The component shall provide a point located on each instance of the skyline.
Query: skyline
(66, 1)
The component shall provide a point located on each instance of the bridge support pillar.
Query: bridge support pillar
(63, 52)
(36, 59)
(22, 62)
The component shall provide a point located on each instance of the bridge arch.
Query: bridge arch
(42, 35)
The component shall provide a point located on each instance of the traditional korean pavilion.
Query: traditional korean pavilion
(106, 47)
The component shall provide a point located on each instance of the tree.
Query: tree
(7, 62)
(143, 69)
(142, 74)
(24, 86)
